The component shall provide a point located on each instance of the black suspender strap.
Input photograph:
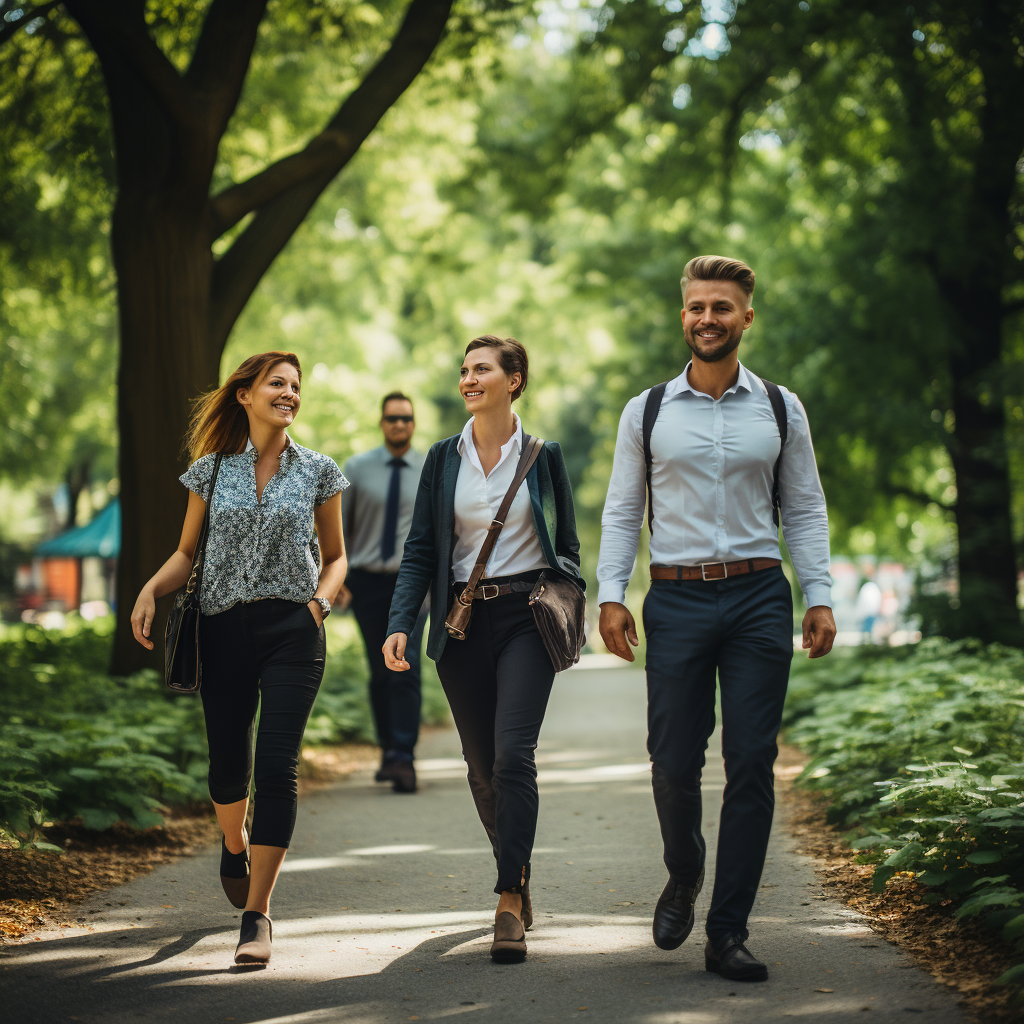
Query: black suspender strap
(653, 405)
(779, 408)
(651, 408)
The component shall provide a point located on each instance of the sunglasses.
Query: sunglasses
(398, 419)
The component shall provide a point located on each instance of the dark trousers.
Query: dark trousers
(394, 696)
(497, 682)
(741, 629)
(268, 654)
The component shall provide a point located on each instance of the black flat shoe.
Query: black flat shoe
(254, 939)
(234, 875)
(673, 916)
(732, 960)
(509, 945)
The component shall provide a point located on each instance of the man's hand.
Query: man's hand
(394, 652)
(819, 631)
(344, 598)
(617, 626)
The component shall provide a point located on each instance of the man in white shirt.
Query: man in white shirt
(726, 456)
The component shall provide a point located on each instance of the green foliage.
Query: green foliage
(921, 753)
(77, 743)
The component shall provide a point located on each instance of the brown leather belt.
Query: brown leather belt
(709, 571)
(511, 585)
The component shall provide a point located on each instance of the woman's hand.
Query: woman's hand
(318, 612)
(142, 617)
(394, 652)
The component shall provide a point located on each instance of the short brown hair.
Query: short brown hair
(511, 357)
(393, 396)
(718, 268)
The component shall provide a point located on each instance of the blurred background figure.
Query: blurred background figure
(869, 604)
(376, 515)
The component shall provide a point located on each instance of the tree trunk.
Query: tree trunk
(164, 268)
(987, 560)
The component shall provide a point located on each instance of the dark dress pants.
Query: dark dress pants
(395, 697)
(742, 630)
(497, 682)
(270, 655)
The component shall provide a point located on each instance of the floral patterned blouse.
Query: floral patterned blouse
(262, 548)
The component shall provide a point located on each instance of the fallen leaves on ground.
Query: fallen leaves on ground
(38, 889)
(962, 955)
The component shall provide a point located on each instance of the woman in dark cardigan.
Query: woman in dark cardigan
(498, 678)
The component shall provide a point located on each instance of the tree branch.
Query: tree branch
(41, 11)
(129, 40)
(914, 495)
(222, 55)
(1009, 308)
(284, 193)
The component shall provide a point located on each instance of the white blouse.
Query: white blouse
(477, 498)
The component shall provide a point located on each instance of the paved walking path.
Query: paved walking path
(383, 914)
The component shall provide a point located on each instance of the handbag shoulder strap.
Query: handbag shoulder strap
(531, 449)
(196, 579)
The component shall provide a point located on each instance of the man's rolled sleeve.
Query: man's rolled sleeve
(624, 506)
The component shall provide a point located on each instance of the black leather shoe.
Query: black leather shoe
(673, 916)
(386, 771)
(403, 777)
(732, 960)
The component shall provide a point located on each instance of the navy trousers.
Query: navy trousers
(394, 696)
(741, 630)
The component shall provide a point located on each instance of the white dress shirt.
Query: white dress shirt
(711, 477)
(477, 498)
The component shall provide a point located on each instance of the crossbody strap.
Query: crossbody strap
(531, 449)
(195, 582)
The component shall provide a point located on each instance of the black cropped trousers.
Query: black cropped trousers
(497, 682)
(267, 654)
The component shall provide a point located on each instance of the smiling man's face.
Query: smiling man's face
(715, 315)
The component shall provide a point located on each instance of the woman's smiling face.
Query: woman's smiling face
(273, 400)
(483, 384)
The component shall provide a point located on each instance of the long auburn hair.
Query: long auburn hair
(219, 422)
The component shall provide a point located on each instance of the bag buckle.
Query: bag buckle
(482, 591)
(711, 579)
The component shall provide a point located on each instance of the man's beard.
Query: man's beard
(727, 343)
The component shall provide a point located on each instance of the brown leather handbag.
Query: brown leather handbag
(457, 622)
(560, 611)
(183, 666)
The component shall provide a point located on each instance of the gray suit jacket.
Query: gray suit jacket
(426, 563)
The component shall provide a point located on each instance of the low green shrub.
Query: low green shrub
(77, 743)
(921, 753)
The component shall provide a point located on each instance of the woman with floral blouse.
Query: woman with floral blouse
(263, 586)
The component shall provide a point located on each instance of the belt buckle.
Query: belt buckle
(481, 591)
(711, 579)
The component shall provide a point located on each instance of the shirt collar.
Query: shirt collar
(289, 446)
(679, 384)
(466, 439)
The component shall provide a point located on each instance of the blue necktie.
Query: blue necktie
(389, 536)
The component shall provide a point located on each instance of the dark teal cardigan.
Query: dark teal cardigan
(427, 558)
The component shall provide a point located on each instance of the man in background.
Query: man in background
(376, 515)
